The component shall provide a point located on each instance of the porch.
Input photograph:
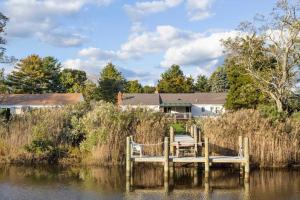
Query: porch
(177, 110)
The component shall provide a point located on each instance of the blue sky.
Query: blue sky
(142, 37)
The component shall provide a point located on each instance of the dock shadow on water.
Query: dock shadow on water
(147, 182)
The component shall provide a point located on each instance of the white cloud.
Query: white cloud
(199, 9)
(196, 9)
(42, 19)
(186, 48)
(195, 52)
(148, 7)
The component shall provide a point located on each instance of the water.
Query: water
(34, 183)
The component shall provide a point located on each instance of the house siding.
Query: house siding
(199, 110)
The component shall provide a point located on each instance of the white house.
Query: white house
(19, 103)
(179, 105)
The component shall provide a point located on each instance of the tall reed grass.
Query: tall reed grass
(272, 143)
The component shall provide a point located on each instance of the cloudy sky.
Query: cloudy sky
(142, 37)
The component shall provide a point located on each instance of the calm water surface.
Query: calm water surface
(110, 183)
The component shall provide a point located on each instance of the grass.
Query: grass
(179, 128)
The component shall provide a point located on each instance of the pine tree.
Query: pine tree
(111, 81)
(202, 84)
(174, 81)
(134, 87)
(218, 80)
(34, 74)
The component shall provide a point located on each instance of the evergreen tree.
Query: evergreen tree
(134, 87)
(202, 84)
(111, 81)
(174, 81)
(89, 91)
(218, 80)
(3, 86)
(73, 80)
(3, 20)
(34, 74)
(242, 92)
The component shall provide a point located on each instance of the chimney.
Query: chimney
(119, 98)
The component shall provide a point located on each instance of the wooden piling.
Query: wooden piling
(247, 158)
(166, 157)
(128, 156)
(206, 152)
(196, 140)
(172, 151)
(128, 163)
(241, 153)
(192, 131)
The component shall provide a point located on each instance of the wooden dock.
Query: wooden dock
(177, 143)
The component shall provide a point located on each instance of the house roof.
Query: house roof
(173, 98)
(49, 99)
(140, 99)
(194, 98)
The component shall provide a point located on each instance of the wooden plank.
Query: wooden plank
(189, 159)
(149, 159)
(213, 159)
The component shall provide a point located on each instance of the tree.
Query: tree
(34, 74)
(3, 20)
(72, 80)
(3, 86)
(134, 87)
(174, 81)
(275, 46)
(242, 92)
(218, 81)
(149, 89)
(111, 81)
(89, 91)
(202, 84)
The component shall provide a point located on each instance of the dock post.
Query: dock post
(206, 152)
(196, 140)
(128, 163)
(166, 157)
(195, 174)
(241, 153)
(247, 158)
(171, 140)
(192, 130)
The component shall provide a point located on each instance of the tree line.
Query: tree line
(35, 74)
(261, 67)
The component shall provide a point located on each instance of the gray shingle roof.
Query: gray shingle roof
(140, 99)
(157, 99)
(49, 99)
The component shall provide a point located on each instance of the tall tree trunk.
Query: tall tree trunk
(278, 101)
(279, 105)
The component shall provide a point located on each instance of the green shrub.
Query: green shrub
(271, 112)
(179, 128)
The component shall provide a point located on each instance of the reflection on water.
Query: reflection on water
(147, 183)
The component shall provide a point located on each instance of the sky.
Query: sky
(141, 37)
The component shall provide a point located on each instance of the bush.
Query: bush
(179, 128)
(268, 111)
